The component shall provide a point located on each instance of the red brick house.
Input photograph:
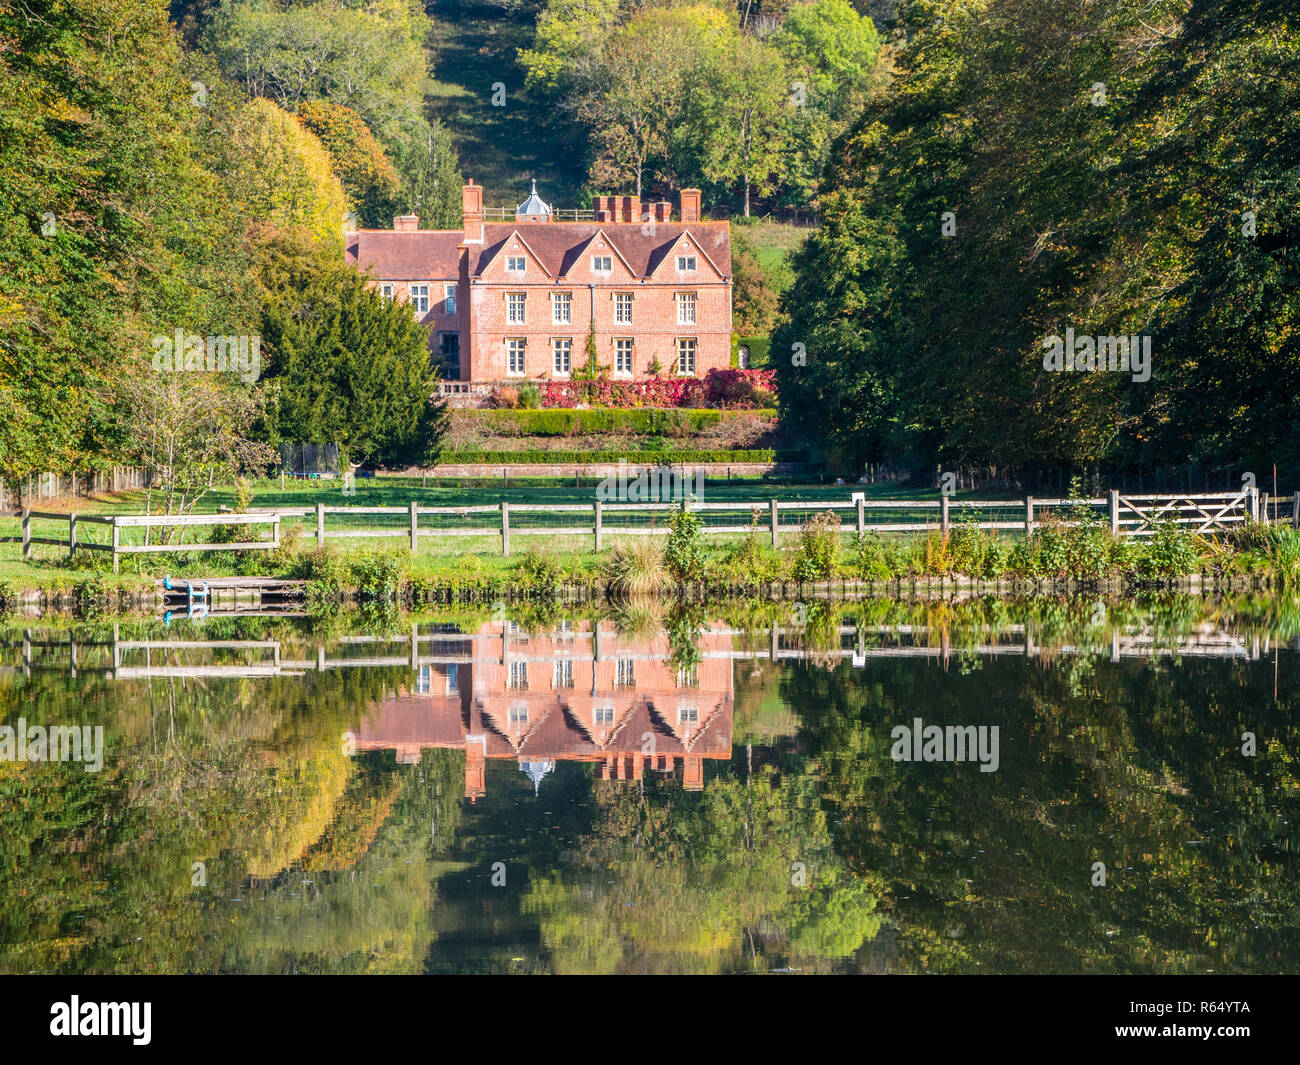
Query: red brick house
(514, 301)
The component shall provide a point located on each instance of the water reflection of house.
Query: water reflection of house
(574, 693)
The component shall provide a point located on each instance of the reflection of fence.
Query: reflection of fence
(1128, 516)
(134, 659)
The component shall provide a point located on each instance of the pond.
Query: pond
(943, 786)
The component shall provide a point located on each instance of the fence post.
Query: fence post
(275, 530)
(415, 528)
(505, 528)
(72, 536)
(598, 530)
(1114, 512)
(1029, 515)
(1295, 511)
(27, 533)
(115, 544)
(776, 525)
(1265, 507)
(1253, 503)
(320, 525)
(862, 516)
(944, 519)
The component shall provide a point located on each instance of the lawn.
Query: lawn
(436, 554)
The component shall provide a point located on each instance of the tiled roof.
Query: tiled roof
(425, 254)
(559, 244)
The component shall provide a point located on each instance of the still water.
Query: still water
(656, 790)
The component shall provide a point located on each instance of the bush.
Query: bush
(635, 569)
(378, 576)
(751, 562)
(732, 388)
(541, 570)
(325, 570)
(870, 560)
(530, 397)
(684, 552)
(819, 547)
(1170, 552)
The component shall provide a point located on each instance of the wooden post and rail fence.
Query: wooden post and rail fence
(1128, 516)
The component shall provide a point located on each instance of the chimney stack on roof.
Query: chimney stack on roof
(471, 210)
(690, 201)
(406, 223)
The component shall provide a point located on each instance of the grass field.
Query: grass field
(50, 565)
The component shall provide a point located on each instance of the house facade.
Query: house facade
(520, 300)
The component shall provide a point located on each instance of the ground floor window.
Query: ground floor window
(449, 355)
(515, 356)
(623, 355)
(562, 348)
(686, 356)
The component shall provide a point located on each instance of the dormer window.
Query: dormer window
(515, 264)
(685, 264)
(602, 264)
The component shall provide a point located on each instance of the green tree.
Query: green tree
(369, 58)
(431, 178)
(346, 366)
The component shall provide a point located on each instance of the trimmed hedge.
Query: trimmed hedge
(665, 458)
(567, 421)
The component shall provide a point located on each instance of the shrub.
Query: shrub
(504, 398)
(751, 562)
(530, 396)
(870, 560)
(684, 552)
(378, 576)
(541, 570)
(1170, 552)
(325, 570)
(819, 547)
(635, 569)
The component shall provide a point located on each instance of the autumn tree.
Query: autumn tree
(369, 180)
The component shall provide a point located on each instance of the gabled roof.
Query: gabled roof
(490, 254)
(558, 245)
(423, 254)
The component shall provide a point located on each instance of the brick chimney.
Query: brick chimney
(471, 210)
(663, 211)
(406, 223)
(690, 201)
(630, 209)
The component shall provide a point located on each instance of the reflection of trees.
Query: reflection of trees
(247, 777)
(1133, 764)
(704, 882)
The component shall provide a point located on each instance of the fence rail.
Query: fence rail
(1127, 516)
